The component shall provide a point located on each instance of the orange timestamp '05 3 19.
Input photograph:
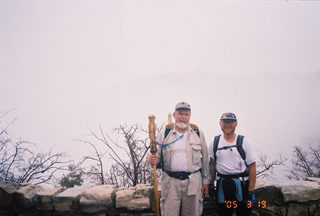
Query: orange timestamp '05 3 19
(234, 204)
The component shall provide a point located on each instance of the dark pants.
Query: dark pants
(231, 203)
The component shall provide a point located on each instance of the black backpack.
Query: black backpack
(238, 146)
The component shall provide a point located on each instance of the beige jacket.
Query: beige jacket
(197, 153)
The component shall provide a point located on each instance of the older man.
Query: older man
(183, 156)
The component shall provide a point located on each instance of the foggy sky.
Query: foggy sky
(68, 64)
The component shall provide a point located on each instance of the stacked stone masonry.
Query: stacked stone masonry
(293, 198)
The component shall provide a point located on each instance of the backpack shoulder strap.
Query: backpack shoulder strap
(169, 127)
(240, 148)
(215, 149)
(195, 128)
(215, 145)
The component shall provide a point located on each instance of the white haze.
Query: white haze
(68, 64)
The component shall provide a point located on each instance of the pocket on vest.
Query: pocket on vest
(196, 154)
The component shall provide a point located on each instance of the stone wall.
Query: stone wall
(293, 198)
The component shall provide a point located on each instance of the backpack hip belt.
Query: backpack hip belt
(244, 174)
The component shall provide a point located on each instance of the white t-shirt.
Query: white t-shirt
(179, 158)
(229, 160)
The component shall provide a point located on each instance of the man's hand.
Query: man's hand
(205, 189)
(153, 158)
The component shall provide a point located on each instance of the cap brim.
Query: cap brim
(183, 108)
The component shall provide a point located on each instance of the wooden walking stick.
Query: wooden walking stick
(153, 150)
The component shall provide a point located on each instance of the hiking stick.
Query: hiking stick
(153, 150)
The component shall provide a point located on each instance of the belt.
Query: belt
(180, 175)
(233, 175)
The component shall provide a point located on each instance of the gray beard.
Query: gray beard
(181, 126)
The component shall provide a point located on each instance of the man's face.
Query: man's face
(182, 118)
(228, 126)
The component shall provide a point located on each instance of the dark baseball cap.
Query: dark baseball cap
(228, 116)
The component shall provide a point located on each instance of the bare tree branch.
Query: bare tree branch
(305, 162)
(265, 168)
(130, 166)
(18, 163)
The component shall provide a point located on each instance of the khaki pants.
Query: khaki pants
(175, 200)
